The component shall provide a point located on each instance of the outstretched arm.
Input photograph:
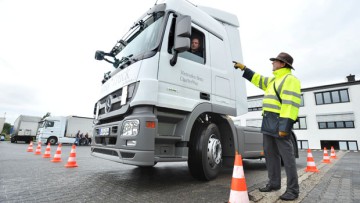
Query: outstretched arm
(255, 78)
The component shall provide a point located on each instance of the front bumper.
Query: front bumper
(114, 146)
(132, 157)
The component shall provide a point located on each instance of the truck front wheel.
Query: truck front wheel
(205, 152)
(52, 140)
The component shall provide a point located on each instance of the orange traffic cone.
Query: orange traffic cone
(57, 156)
(333, 155)
(47, 151)
(72, 158)
(326, 158)
(238, 191)
(311, 167)
(30, 148)
(38, 149)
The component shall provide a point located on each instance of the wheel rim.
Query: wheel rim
(214, 152)
(52, 141)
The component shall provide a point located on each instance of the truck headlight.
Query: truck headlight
(130, 128)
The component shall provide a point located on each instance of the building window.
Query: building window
(303, 144)
(330, 97)
(349, 124)
(255, 109)
(301, 124)
(337, 124)
(302, 101)
(348, 145)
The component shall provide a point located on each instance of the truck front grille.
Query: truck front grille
(112, 102)
(105, 140)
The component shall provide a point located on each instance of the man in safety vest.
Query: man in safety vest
(280, 110)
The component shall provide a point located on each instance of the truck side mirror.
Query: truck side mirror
(182, 36)
(99, 55)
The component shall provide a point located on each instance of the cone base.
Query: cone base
(71, 165)
(326, 161)
(56, 160)
(334, 157)
(38, 153)
(312, 170)
(30, 150)
(47, 156)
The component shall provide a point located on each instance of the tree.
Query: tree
(6, 128)
(46, 115)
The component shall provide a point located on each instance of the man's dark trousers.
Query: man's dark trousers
(274, 149)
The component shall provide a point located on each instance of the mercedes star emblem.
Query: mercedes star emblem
(108, 104)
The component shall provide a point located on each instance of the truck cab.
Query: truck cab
(52, 130)
(162, 103)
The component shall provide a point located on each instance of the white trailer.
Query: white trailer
(25, 128)
(2, 122)
(61, 129)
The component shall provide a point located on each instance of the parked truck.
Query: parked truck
(61, 129)
(25, 128)
(162, 103)
(2, 122)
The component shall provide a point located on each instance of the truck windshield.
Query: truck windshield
(141, 38)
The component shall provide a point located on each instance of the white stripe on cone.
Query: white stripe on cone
(238, 172)
(311, 164)
(238, 197)
(71, 159)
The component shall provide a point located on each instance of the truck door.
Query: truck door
(52, 128)
(187, 83)
(222, 77)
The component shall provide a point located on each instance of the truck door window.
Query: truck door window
(49, 124)
(197, 45)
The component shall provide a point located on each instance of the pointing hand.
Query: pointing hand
(238, 65)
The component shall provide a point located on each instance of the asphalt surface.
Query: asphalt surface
(25, 177)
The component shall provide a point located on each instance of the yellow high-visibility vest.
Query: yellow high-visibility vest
(288, 88)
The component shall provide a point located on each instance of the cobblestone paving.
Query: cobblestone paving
(340, 184)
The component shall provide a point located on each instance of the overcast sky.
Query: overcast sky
(47, 46)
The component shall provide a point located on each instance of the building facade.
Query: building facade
(329, 115)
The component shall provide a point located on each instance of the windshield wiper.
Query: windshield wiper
(126, 60)
(120, 45)
(122, 63)
(141, 24)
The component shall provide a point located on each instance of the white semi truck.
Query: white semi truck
(25, 128)
(61, 129)
(162, 103)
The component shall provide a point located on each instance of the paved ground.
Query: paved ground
(25, 177)
(336, 182)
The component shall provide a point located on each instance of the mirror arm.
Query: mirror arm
(174, 59)
(107, 60)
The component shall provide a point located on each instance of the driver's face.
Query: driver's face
(195, 44)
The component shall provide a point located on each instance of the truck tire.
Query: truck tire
(205, 152)
(52, 140)
(13, 139)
